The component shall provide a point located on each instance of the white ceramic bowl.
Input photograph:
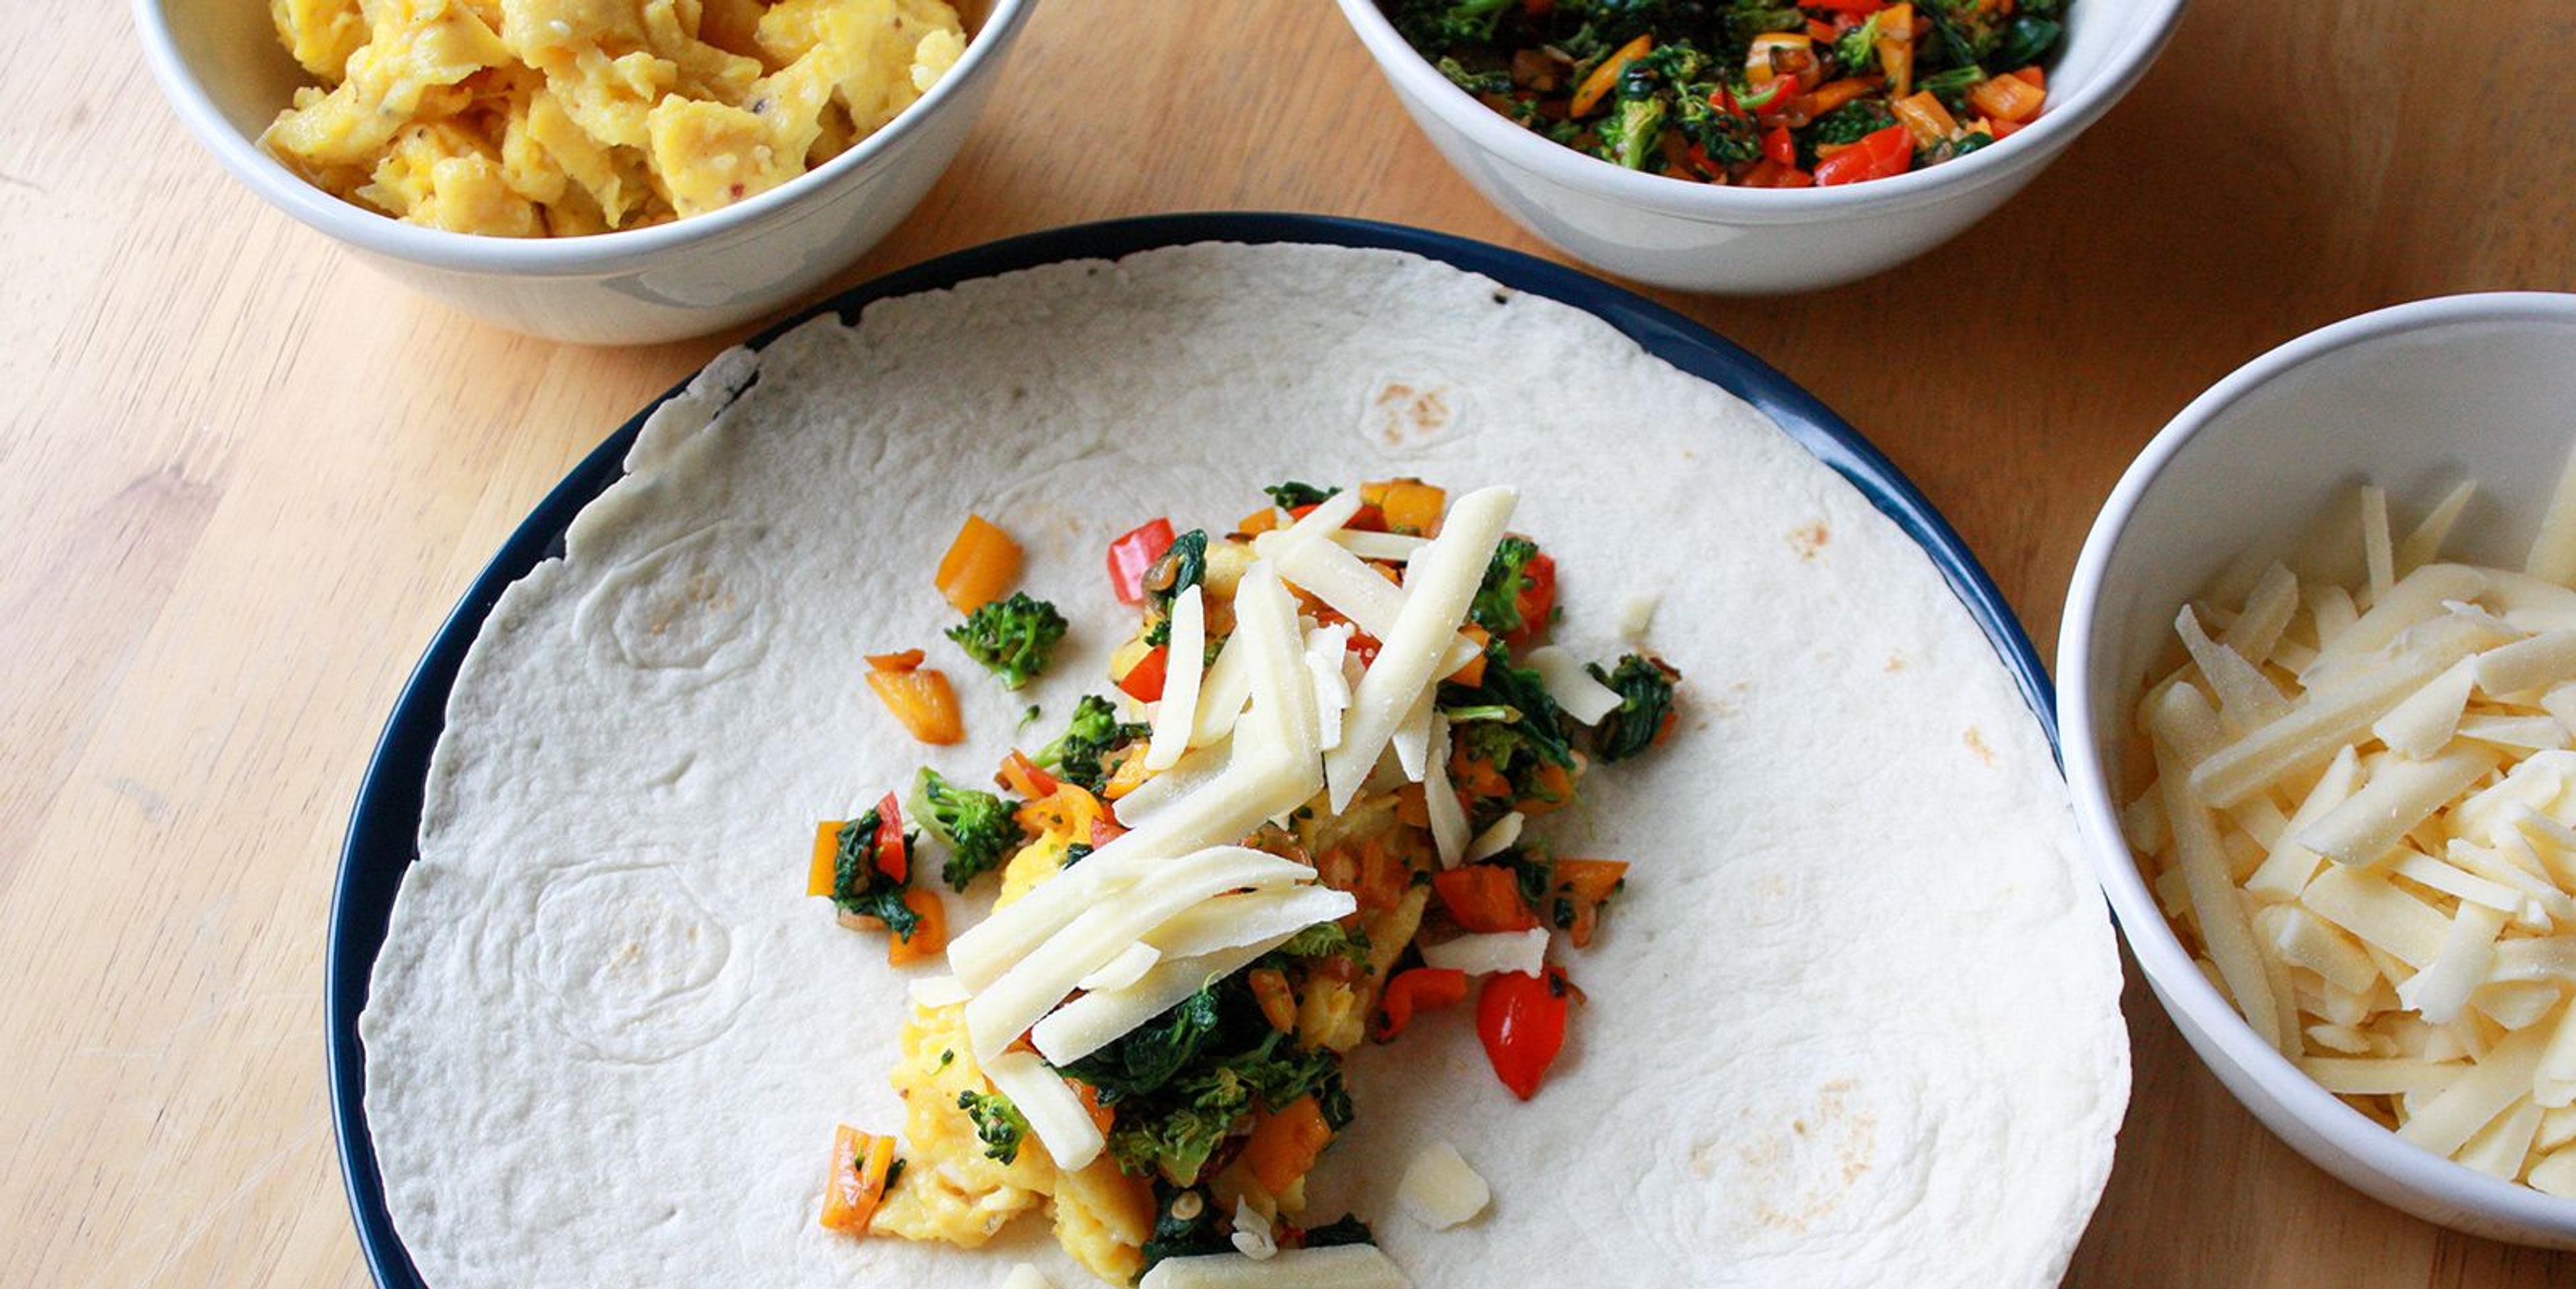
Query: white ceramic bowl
(227, 75)
(2414, 398)
(1698, 237)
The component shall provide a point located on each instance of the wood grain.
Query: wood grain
(242, 479)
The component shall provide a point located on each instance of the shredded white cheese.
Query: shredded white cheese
(1055, 1113)
(1439, 585)
(1129, 966)
(1440, 1190)
(1491, 953)
(1562, 675)
(1003, 1010)
(1176, 719)
(2362, 819)
(1497, 837)
(1024, 1276)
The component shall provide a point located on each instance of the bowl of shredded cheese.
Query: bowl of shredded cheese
(2318, 674)
(608, 171)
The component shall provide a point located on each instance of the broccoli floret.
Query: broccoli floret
(1497, 606)
(1629, 135)
(860, 887)
(1857, 49)
(1081, 755)
(998, 1123)
(1292, 494)
(1495, 82)
(1326, 940)
(1645, 688)
(1852, 122)
(977, 827)
(1012, 638)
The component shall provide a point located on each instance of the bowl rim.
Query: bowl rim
(585, 255)
(2178, 982)
(1419, 80)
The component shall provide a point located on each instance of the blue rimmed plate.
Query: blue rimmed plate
(386, 824)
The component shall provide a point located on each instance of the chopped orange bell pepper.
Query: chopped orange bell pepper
(980, 564)
(1483, 898)
(2008, 98)
(1579, 887)
(1102, 1117)
(1473, 673)
(921, 700)
(1589, 94)
(1285, 1143)
(929, 937)
(1925, 119)
(827, 854)
(1550, 787)
(1895, 46)
(860, 1165)
(904, 661)
(1420, 989)
(1834, 94)
(1411, 506)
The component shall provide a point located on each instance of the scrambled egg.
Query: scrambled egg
(531, 118)
(950, 1189)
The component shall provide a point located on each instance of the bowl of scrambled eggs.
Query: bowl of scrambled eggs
(603, 171)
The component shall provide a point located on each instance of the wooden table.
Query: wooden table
(243, 478)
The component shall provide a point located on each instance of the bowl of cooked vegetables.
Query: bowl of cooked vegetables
(2318, 678)
(1750, 147)
(607, 171)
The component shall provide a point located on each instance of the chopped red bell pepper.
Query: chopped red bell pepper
(1133, 555)
(1144, 681)
(1421, 989)
(1521, 1020)
(1778, 146)
(1483, 898)
(1879, 155)
(1536, 601)
(892, 857)
(1780, 93)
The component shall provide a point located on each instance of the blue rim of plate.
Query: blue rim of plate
(385, 826)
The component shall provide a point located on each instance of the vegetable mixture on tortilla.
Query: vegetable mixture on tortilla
(1351, 686)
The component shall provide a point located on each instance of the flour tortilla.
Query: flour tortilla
(1855, 1021)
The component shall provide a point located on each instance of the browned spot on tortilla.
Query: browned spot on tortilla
(1810, 541)
(1977, 743)
(1851, 1135)
(1401, 412)
(1896, 662)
